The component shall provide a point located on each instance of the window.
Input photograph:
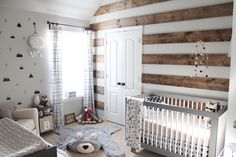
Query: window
(74, 53)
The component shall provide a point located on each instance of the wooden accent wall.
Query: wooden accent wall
(186, 81)
(184, 59)
(186, 37)
(123, 5)
(217, 59)
(172, 16)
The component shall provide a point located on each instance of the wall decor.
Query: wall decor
(19, 55)
(8, 98)
(21, 68)
(19, 103)
(5, 20)
(12, 37)
(200, 59)
(19, 25)
(35, 43)
(31, 76)
(6, 79)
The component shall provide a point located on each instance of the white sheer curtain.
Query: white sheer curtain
(55, 76)
(88, 99)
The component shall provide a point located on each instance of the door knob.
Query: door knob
(123, 84)
(118, 83)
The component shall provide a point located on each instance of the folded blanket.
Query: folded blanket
(17, 141)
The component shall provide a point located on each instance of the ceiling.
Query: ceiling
(79, 9)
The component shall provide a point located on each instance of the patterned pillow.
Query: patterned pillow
(7, 110)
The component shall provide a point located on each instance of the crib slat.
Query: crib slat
(187, 134)
(166, 142)
(148, 127)
(157, 125)
(176, 130)
(181, 136)
(204, 142)
(153, 113)
(192, 139)
(198, 138)
(171, 127)
(162, 115)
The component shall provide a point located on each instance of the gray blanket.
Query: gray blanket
(110, 147)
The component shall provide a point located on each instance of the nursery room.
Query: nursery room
(116, 78)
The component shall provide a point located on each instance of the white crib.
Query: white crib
(178, 126)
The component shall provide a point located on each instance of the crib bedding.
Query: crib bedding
(17, 141)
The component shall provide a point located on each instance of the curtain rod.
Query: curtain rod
(49, 23)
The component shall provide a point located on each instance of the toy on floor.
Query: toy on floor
(88, 117)
(88, 140)
(84, 144)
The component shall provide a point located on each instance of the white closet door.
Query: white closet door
(123, 71)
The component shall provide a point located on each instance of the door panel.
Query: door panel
(124, 50)
(129, 57)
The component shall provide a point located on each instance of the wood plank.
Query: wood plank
(186, 37)
(123, 5)
(99, 105)
(98, 74)
(187, 81)
(98, 58)
(184, 59)
(98, 42)
(171, 16)
(99, 89)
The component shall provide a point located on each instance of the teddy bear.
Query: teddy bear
(84, 144)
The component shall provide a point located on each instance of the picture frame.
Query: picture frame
(69, 118)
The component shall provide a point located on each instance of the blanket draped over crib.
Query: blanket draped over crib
(133, 127)
(17, 141)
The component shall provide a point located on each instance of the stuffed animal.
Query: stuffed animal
(88, 140)
(210, 107)
(44, 101)
(84, 144)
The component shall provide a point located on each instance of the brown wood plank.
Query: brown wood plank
(99, 105)
(99, 90)
(98, 58)
(184, 59)
(171, 16)
(186, 37)
(98, 42)
(98, 74)
(187, 81)
(123, 5)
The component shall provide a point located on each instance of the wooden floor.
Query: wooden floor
(118, 137)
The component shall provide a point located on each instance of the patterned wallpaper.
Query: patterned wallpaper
(21, 76)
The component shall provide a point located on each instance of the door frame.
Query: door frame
(140, 28)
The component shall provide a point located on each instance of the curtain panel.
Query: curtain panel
(55, 76)
(88, 98)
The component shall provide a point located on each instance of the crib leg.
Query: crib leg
(133, 150)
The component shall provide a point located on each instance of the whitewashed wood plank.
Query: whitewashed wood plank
(99, 97)
(98, 66)
(152, 88)
(99, 50)
(99, 82)
(155, 8)
(185, 48)
(191, 25)
(185, 70)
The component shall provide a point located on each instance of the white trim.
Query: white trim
(191, 25)
(78, 98)
(152, 88)
(185, 48)
(185, 70)
(155, 8)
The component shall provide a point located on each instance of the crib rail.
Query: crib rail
(180, 126)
